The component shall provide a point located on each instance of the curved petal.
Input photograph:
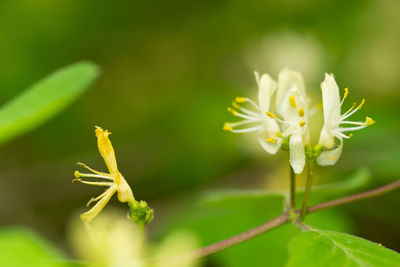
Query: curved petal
(271, 148)
(297, 155)
(330, 100)
(288, 80)
(266, 87)
(326, 138)
(330, 157)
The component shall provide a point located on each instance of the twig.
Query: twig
(310, 174)
(278, 221)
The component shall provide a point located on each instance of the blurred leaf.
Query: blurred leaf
(21, 247)
(328, 248)
(45, 99)
(230, 216)
(359, 179)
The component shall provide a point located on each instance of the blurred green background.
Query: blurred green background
(169, 70)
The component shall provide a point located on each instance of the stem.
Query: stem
(221, 245)
(278, 221)
(364, 195)
(292, 188)
(310, 174)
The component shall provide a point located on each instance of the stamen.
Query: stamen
(361, 104)
(83, 165)
(95, 183)
(94, 199)
(292, 101)
(269, 114)
(231, 110)
(301, 112)
(346, 92)
(227, 128)
(252, 129)
(78, 174)
(240, 99)
(236, 105)
(369, 121)
(302, 123)
(270, 140)
(352, 129)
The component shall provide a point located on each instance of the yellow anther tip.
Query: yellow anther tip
(240, 99)
(346, 92)
(236, 105)
(301, 112)
(227, 128)
(369, 121)
(270, 140)
(302, 123)
(361, 104)
(292, 101)
(231, 110)
(271, 115)
(350, 135)
(76, 180)
(77, 174)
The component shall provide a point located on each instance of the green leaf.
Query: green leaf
(226, 216)
(22, 247)
(45, 99)
(328, 248)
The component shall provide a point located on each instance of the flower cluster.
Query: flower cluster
(288, 121)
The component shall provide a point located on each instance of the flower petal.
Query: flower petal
(330, 157)
(297, 155)
(106, 150)
(92, 213)
(266, 87)
(330, 100)
(288, 80)
(271, 148)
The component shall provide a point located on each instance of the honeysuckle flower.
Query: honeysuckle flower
(113, 180)
(291, 104)
(332, 133)
(257, 120)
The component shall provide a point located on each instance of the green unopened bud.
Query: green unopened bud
(140, 212)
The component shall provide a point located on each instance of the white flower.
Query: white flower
(292, 105)
(333, 121)
(267, 128)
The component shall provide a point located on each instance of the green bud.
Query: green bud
(140, 212)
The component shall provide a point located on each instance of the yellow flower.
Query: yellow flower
(114, 179)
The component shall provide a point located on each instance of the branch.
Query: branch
(278, 221)
(364, 195)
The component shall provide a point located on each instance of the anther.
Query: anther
(240, 99)
(368, 121)
(76, 180)
(346, 92)
(302, 123)
(231, 110)
(270, 140)
(236, 105)
(292, 101)
(269, 114)
(361, 104)
(77, 174)
(350, 135)
(301, 112)
(227, 128)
